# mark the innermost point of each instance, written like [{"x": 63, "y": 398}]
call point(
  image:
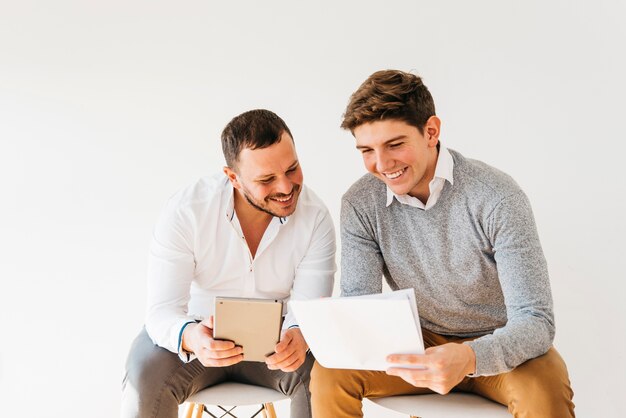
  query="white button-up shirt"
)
[
  {"x": 443, "y": 172},
  {"x": 198, "y": 251}
]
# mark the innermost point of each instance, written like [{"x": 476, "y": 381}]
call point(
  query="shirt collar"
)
[{"x": 443, "y": 170}]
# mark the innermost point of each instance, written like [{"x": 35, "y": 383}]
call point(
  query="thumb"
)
[
  {"x": 284, "y": 342},
  {"x": 208, "y": 322}
]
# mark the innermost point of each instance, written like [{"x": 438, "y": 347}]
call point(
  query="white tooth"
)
[
  {"x": 284, "y": 199},
  {"x": 394, "y": 174}
]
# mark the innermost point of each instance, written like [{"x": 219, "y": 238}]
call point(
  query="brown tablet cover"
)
[{"x": 251, "y": 323}]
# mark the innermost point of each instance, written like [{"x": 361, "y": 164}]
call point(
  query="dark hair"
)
[
  {"x": 254, "y": 129},
  {"x": 390, "y": 94}
]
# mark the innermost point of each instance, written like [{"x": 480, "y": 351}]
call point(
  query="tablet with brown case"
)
[{"x": 254, "y": 324}]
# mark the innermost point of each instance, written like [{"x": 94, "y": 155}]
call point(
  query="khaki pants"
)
[{"x": 539, "y": 387}]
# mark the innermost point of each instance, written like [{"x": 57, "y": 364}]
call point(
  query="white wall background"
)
[{"x": 107, "y": 108}]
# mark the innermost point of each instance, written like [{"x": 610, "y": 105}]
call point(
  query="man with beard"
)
[{"x": 252, "y": 231}]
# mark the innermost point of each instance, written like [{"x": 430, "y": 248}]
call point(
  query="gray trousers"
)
[{"x": 156, "y": 381}]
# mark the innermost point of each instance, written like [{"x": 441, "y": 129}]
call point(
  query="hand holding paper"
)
[
  {"x": 360, "y": 332},
  {"x": 440, "y": 368}
]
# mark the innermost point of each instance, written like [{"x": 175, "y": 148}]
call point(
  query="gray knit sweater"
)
[{"x": 474, "y": 260}]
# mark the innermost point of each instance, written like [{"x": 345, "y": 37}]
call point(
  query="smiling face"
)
[
  {"x": 270, "y": 179},
  {"x": 399, "y": 155}
]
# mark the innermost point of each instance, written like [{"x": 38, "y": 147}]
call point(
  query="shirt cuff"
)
[
  {"x": 308, "y": 350},
  {"x": 185, "y": 355},
  {"x": 289, "y": 321}
]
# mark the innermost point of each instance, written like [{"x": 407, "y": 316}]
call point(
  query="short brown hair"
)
[
  {"x": 390, "y": 94},
  {"x": 253, "y": 129}
]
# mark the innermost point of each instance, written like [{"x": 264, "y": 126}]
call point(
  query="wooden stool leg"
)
[
  {"x": 199, "y": 410},
  {"x": 269, "y": 407},
  {"x": 189, "y": 409}
]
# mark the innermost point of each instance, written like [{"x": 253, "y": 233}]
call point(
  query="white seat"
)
[
  {"x": 234, "y": 394},
  {"x": 452, "y": 405}
]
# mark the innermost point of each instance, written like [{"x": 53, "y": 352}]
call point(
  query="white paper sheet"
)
[{"x": 359, "y": 332}]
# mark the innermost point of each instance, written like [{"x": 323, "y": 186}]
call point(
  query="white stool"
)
[
  {"x": 234, "y": 394},
  {"x": 452, "y": 405}
]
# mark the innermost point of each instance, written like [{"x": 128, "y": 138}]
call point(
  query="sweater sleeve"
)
[
  {"x": 361, "y": 259},
  {"x": 523, "y": 275}
]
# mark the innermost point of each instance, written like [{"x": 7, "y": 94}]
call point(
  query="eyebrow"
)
[
  {"x": 395, "y": 138},
  {"x": 269, "y": 176}
]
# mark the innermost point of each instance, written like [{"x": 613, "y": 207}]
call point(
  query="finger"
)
[
  {"x": 211, "y": 362},
  {"x": 218, "y": 345},
  {"x": 411, "y": 375},
  {"x": 221, "y": 354},
  {"x": 293, "y": 366},
  {"x": 278, "y": 357},
  {"x": 412, "y": 359},
  {"x": 281, "y": 346},
  {"x": 440, "y": 388},
  {"x": 285, "y": 362},
  {"x": 206, "y": 328},
  {"x": 284, "y": 342},
  {"x": 208, "y": 322},
  {"x": 421, "y": 383}
]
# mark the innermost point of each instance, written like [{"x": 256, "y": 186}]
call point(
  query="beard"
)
[{"x": 264, "y": 206}]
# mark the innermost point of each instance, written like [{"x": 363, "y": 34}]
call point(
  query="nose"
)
[
  {"x": 284, "y": 185},
  {"x": 383, "y": 162}
]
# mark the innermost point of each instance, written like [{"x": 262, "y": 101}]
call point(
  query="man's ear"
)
[
  {"x": 432, "y": 130},
  {"x": 232, "y": 177}
]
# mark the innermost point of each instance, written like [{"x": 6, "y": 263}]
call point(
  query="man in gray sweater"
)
[{"x": 462, "y": 234}]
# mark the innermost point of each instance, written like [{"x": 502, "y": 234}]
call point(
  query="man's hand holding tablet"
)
[
  {"x": 198, "y": 339},
  {"x": 290, "y": 352}
]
